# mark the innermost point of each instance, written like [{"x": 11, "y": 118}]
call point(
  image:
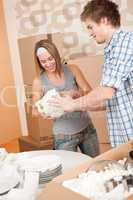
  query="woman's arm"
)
[{"x": 82, "y": 83}]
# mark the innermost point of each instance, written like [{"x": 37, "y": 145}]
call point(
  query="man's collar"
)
[{"x": 108, "y": 45}]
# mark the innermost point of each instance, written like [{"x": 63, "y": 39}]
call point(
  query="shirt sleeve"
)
[{"x": 118, "y": 63}]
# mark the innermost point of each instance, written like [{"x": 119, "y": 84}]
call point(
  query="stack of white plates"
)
[
  {"x": 47, "y": 176},
  {"x": 48, "y": 166}
]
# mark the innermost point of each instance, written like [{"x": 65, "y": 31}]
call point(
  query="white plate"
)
[
  {"x": 9, "y": 178},
  {"x": 40, "y": 163}
]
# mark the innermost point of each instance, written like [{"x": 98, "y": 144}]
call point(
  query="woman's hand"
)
[{"x": 71, "y": 93}]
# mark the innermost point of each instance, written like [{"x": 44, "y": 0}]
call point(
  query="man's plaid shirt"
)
[{"x": 118, "y": 73}]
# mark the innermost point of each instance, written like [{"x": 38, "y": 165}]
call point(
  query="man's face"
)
[{"x": 99, "y": 31}]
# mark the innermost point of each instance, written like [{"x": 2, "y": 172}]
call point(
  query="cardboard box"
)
[
  {"x": 55, "y": 191},
  {"x": 26, "y": 143},
  {"x": 38, "y": 128}
]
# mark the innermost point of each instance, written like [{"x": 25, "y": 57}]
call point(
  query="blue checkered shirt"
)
[{"x": 118, "y": 73}]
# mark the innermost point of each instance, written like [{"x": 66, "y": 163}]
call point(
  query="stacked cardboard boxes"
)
[{"x": 40, "y": 133}]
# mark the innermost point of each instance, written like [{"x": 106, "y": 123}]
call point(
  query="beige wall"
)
[
  {"x": 9, "y": 120},
  {"x": 63, "y": 16}
]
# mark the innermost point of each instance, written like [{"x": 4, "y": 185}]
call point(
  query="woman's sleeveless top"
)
[{"x": 69, "y": 123}]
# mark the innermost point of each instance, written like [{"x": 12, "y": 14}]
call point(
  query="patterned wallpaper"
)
[{"x": 36, "y": 17}]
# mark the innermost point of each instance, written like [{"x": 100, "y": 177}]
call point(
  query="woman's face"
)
[{"x": 47, "y": 61}]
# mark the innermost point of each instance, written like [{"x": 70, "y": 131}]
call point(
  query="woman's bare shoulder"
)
[{"x": 73, "y": 67}]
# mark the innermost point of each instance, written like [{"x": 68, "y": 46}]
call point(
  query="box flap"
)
[{"x": 54, "y": 191}]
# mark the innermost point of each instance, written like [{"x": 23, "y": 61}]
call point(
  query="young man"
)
[{"x": 102, "y": 19}]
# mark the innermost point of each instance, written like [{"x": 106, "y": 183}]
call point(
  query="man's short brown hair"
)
[{"x": 96, "y": 9}]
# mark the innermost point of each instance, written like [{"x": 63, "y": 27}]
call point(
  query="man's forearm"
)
[
  {"x": 101, "y": 107},
  {"x": 94, "y": 99}
]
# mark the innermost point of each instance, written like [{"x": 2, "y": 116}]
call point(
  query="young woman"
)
[{"x": 73, "y": 129}]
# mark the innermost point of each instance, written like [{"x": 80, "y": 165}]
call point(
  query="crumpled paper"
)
[
  {"x": 44, "y": 108},
  {"x": 116, "y": 194}
]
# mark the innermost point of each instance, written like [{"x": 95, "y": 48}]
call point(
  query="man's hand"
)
[{"x": 66, "y": 103}]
